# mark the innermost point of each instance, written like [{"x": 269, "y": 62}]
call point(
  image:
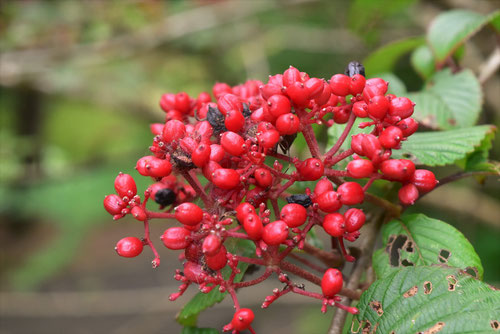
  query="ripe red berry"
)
[
  {"x": 269, "y": 138},
  {"x": 253, "y": 226},
  {"x": 209, "y": 169},
  {"x": 401, "y": 107},
  {"x": 233, "y": 143},
  {"x": 408, "y": 125},
  {"x": 226, "y": 178},
  {"x": 334, "y": 224},
  {"x": 360, "y": 109},
  {"x": 315, "y": 87},
  {"x": 351, "y": 193},
  {"x": 374, "y": 87},
  {"x": 211, "y": 245},
  {"x": 332, "y": 281},
  {"x": 298, "y": 93},
  {"x": 193, "y": 271},
  {"x": 340, "y": 84},
  {"x": 275, "y": 233},
  {"x": 189, "y": 214},
  {"x": 397, "y": 170},
  {"x": 378, "y": 107},
  {"x": 294, "y": 215},
  {"x": 323, "y": 186},
  {"x": 424, "y": 180},
  {"x": 153, "y": 166},
  {"x": 278, "y": 105},
  {"x": 114, "y": 204},
  {"x": 176, "y": 238},
  {"x": 371, "y": 146},
  {"x": 360, "y": 168},
  {"x": 234, "y": 120},
  {"x": 221, "y": 88},
  {"x": 173, "y": 130},
  {"x": 217, "y": 152},
  {"x": 408, "y": 194},
  {"x": 291, "y": 76},
  {"x": 390, "y": 137},
  {"x": 357, "y": 143},
  {"x": 201, "y": 155},
  {"x": 228, "y": 102},
  {"x": 311, "y": 169},
  {"x": 129, "y": 247},
  {"x": 325, "y": 96},
  {"x": 287, "y": 124},
  {"x": 217, "y": 261},
  {"x": 328, "y": 201},
  {"x": 242, "y": 319},
  {"x": 244, "y": 209},
  {"x": 138, "y": 213},
  {"x": 354, "y": 220},
  {"x": 125, "y": 185},
  {"x": 263, "y": 177},
  {"x": 357, "y": 84}
]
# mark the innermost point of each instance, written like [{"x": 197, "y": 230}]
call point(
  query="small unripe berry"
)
[{"x": 129, "y": 247}]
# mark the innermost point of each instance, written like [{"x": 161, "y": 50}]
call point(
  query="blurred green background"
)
[{"x": 80, "y": 82}]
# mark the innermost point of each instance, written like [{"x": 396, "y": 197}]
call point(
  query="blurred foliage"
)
[{"x": 98, "y": 79}]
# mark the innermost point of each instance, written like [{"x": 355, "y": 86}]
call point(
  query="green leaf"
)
[
  {"x": 452, "y": 28},
  {"x": 417, "y": 240},
  {"x": 396, "y": 85},
  {"x": 429, "y": 299},
  {"x": 201, "y": 301},
  {"x": 431, "y": 111},
  {"x": 422, "y": 61},
  {"x": 196, "y": 330},
  {"x": 439, "y": 148},
  {"x": 478, "y": 159},
  {"x": 384, "y": 58}
]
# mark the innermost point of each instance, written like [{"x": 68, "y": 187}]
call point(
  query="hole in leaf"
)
[
  {"x": 411, "y": 292},
  {"x": 409, "y": 246},
  {"x": 406, "y": 263},
  {"x": 377, "y": 307},
  {"x": 356, "y": 326},
  {"x": 434, "y": 329},
  {"x": 444, "y": 255},
  {"x": 495, "y": 324},
  {"x": 395, "y": 249},
  {"x": 367, "y": 327},
  {"x": 427, "y": 287},
  {"x": 452, "y": 282},
  {"x": 472, "y": 271}
]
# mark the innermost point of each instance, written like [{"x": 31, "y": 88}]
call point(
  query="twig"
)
[{"x": 490, "y": 66}]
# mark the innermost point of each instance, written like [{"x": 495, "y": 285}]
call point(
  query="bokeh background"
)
[{"x": 79, "y": 84}]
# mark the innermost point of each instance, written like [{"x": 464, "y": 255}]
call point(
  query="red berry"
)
[
  {"x": 332, "y": 281},
  {"x": 211, "y": 245},
  {"x": 233, "y": 143},
  {"x": 374, "y": 87},
  {"x": 220, "y": 89},
  {"x": 377, "y": 107},
  {"x": 291, "y": 76},
  {"x": 275, "y": 233},
  {"x": 397, "y": 170},
  {"x": 329, "y": 201},
  {"x": 334, "y": 224},
  {"x": 354, "y": 220},
  {"x": 325, "y": 96},
  {"x": 263, "y": 177},
  {"x": 294, "y": 215},
  {"x": 253, "y": 226},
  {"x": 226, "y": 178},
  {"x": 351, "y": 193},
  {"x": 228, "y": 102},
  {"x": 298, "y": 93},
  {"x": 424, "y": 180},
  {"x": 323, "y": 186},
  {"x": 129, "y": 247},
  {"x": 244, "y": 209},
  {"x": 315, "y": 87},
  {"x": 114, "y": 204},
  {"x": 371, "y": 146},
  {"x": 401, "y": 107},
  {"x": 341, "y": 116},
  {"x": 204, "y": 129},
  {"x": 269, "y": 138},
  {"x": 340, "y": 84},
  {"x": 234, "y": 120},
  {"x": 360, "y": 168},
  {"x": 156, "y": 128},
  {"x": 390, "y": 137},
  {"x": 153, "y": 166},
  {"x": 287, "y": 124},
  {"x": 176, "y": 238},
  {"x": 189, "y": 214},
  {"x": 209, "y": 169},
  {"x": 311, "y": 169},
  {"x": 360, "y": 109},
  {"x": 138, "y": 213},
  {"x": 357, "y": 143},
  {"x": 217, "y": 261},
  {"x": 279, "y": 105},
  {"x": 242, "y": 319},
  {"x": 408, "y": 194},
  {"x": 201, "y": 155},
  {"x": 173, "y": 130},
  {"x": 408, "y": 125},
  {"x": 217, "y": 152},
  {"x": 193, "y": 253},
  {"x": 357, "y": 84},
  {"x": 167, "y": 102}
]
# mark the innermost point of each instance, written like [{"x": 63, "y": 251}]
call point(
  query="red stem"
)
[
  {"x": 258, "y": 280},
  {"x": 195, "y": 183},
  {"x": 342, "y": 137}
]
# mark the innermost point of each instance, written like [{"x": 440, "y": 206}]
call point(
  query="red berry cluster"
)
[{"x": 230, "y": 141}]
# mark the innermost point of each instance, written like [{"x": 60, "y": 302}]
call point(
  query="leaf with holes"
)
[
  {"x": 439, "y": 148},
  {"x": 189, "y": 314},
  {"x": 428, "y": 299},
  {"x": 452, "y": 28},
  {"x": 417, "y": 240}
]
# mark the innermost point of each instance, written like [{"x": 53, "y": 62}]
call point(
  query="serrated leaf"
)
[
  {"x": 417, "y": 240},
  {"x": 201, "y": 301},
  {"x": 431, "y": 111},
  {"x": 478, "y": 159},
  {"x": 422, "y": 61},
  {"x": 196, "y": 330},
  {"x": 429, "y": 299},
  {"x": 452, "y": 28},
  {"x": 384, "y": 58},
  {"x": 439, "y": 148}
]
